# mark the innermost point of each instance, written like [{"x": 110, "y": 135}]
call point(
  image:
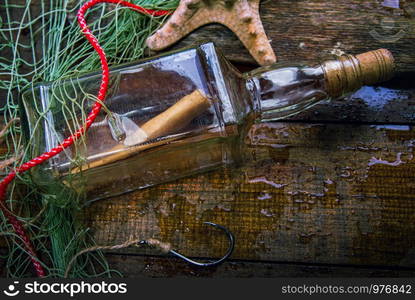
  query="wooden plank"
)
[
  {"x": 391, "y": 102},
  {"x": 325, "y": 194},
  {"x": 319, "y": 193},
  {"x": 133, "y": 266},
  {"x": 144, "y": 266},
  {"x": 311, "y": 30}
]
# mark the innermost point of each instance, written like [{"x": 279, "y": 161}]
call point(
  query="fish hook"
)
[{"x": 231, "y": 240}]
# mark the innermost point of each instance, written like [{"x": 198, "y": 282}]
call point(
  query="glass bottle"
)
[{"x": 175, "y": 115}]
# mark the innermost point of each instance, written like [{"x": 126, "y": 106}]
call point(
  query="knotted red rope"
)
[{"x": 17, "y": 225}]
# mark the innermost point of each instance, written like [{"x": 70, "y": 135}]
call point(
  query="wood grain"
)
[
  {"x": 312, "y": 30},
  {"x": 312, "y": 193},
  {"x": 134, "y": 266},
  {"x": 327, "y": 192}
]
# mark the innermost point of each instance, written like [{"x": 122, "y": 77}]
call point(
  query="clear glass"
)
[
  {"x": 282, "y": 91},
  {"x": 164, "y": 118}
]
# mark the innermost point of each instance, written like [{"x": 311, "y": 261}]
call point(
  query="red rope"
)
[{"x": 17, "y": 225}]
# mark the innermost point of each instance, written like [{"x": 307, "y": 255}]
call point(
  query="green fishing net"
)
[{"x": 40, "y": 41}]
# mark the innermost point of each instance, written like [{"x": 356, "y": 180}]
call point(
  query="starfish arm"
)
[
  {"x": 249, "y": 29},
  {"x": 241, "y": 16},
  {"x": 184, "y": 20}
]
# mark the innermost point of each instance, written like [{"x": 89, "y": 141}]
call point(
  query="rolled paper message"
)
[{"x": 170, "y": 121}]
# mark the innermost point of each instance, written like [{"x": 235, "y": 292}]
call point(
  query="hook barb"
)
[{"x": 231, "y": 240}]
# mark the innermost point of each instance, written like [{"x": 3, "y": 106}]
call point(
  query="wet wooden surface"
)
[
  {"x": 312, "y": 30},
  {"x": 320, "y": 189},
  {"x": 326, "y": 193},
  {"x": 150, "y": 266}
]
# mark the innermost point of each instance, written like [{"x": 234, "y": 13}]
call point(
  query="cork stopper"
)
[{"x": 349, "y": 72}]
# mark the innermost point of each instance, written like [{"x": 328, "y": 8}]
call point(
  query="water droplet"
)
[
  {"x": 264, "y": 180},
  {"x": 329, "y": 181},
  {"x": 264, "y": 196},
  {"x": 376, "y": 161},
  {"x": 266, "y": 213}
]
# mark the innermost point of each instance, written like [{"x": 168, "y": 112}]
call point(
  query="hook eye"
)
[{"x": 231, "y": 240}]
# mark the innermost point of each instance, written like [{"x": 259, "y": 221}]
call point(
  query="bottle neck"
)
[{"x": 281, "y": 91}]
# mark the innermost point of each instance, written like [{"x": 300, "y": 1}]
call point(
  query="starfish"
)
[{"x": 240, "y": 16}]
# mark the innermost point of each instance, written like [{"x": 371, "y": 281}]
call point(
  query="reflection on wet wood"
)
[
  {"x": 307, "y": 30},
  {"x": 390, "y": 102},
  {"x": 312, "y": 193}
]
